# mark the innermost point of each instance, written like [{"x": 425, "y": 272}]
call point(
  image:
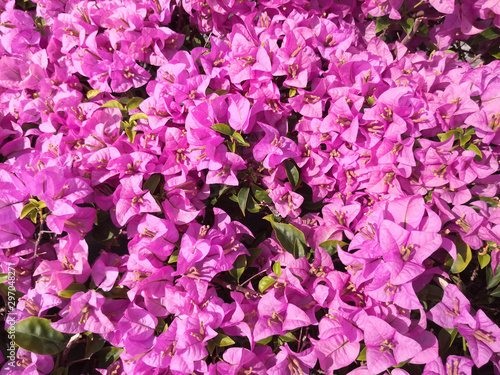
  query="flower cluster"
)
[{"x": 269, "y": 187}]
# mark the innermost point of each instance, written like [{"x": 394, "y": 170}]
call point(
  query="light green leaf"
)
[
  {"x": 222, "y": 128},
  {"x": 240, "y": 140},
  {"x": 265, "y": 283},
  {"x": 464, "y": 256},
  {"x": 382, "y": 24},
  {"x": 223, "y": 340},
  {"x": 35, "y": 335},
  {"x": 288, "y": 337},
  {"x": 484, "y": 260},
  {"x": 277, "y": 269}
]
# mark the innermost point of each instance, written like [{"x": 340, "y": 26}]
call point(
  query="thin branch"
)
[
  {"x": 413, "y": 31},
  {"x": 238, "y": 288},
  {"x": 257, "y": 274}
]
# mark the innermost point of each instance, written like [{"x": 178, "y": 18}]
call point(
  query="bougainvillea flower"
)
[
  {"x": 483, "y": 338},
  {"x": 84, "y": 313}
]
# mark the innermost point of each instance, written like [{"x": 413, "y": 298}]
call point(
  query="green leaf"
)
[
  {"x": 362, "y": 355},
  {"x": 464, "y": 256},
  {"x": 260, "y": 194},
  {"x": 292, "y": 92},
  {"x": 277, "y": 269},
  {"x": 152, "y": 183},
  {"x": 484, "y": 260},
  {"x": 473, "y": 147},
  {"x": 174, "y": 257},
  {"x": 254, "y": 254},
  {"x": 60, "y": 371},
  {"x": 292, "y": 173},
  {"x": 265, "y": 341},
  {"x": 288, "y": 337},
  {"x": 93, "y": 93},
  {"x": 134, "y": 103},
  {"x": 445, "y": 339},
  {"x": 3, "y": 277},
  {"x": 489, "y": 34},
  {"x": 35, "y": 335},
  {"x": 117, "y": 292},
  {"x": 239, "y": 267},
  {"x": 137, "y": 116},
  {"x": 72, "y": 289},
  {"x": 370, "y": 100},
  {"x": 27, "y": 209},
  {"x": 222, "y": 128},
  {"x": 223, "y": 340},
  {"x": 265, "y": 283},
  {"x": 492, "y": 281},
  {"x": 240, "y": 140},
  {"x": 382, "y": 24},
  {"x": 330, "y": 246},
  {"x": 113, "y": 104},
  {"x": 106, "y": 356},
  {"x": 496, "y": 293},
  {"x": 464, "y": 139},
  {"x": 131, "y": 134},
  {"x": 289, "y": 237},
  {"x": 242, "y": 198},
  {"x": 253, "y": 206},
  {"x": 407, "y": 24},
  {"x": 445, "y": 136},
  {"x": 93, "y": 344}
]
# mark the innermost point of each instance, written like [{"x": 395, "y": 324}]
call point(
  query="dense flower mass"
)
[{"x": 250, "y": 187}]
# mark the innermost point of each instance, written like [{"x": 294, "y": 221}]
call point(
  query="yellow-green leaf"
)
[
  {"x": 484, "y": 260},
  {"x": 93, "y": 93},
  {"x": 138, "y": 116},
  {"x": 113, "y": 104},
  {"x": 265, "y": 283},
  {"x": 277, "y": 269},
  {"x": 134, "y": 103},
  {"x": 464, "y": 256},
  {"x": 27, "y": 209}
]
